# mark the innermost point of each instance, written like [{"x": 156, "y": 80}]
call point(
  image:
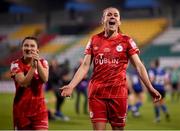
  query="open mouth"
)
[
  {"x": 112, "y": 23},
  {"x": 28, "y": 52}
]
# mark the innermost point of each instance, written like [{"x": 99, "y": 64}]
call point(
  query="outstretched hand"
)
[
  {"x": 66, "y": 91},
  {"x": 156, "y": 95}
]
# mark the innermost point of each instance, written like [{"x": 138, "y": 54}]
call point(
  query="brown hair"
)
[
  {"x": 31, "y": 38},
  {"x": 110, "y": 8}
]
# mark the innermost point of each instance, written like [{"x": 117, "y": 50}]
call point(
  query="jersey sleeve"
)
[
  {"x": 15, "y": 69},
  {"x": 132, "y": 47},
  {"x": 44, "y": 63},
  {"x": 88, "y": 49}
]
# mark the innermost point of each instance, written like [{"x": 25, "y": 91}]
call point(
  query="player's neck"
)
[
  {"x": 27, "y": 60},
  {"x": 110, "y": 34}
]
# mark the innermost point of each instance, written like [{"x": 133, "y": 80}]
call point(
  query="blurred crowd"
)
[{"x": 60, "y": 75}]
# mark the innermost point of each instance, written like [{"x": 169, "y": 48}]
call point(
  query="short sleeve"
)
[
  {"x": 15, "y": 68},
  {"x": 88, "y": 49},
  {"x": 44, "y": 63},
  {"x": 132, "y": 47}
]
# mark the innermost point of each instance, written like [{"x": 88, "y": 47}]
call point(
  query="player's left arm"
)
[
  {"x": 42, "y": 67},
  {"x": 135, "y": 60},
  {"x": 43, "y": 71},
  {"x": 143, "y": 86}
]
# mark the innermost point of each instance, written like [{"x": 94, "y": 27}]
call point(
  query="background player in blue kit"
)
[
  {"x": 138, "y": 91},
  {"x": 159, "y": 79}
]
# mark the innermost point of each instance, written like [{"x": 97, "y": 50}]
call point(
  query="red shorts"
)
[
  {"x": 108, "y": 110},
  {"x": 36, "y": 122}
]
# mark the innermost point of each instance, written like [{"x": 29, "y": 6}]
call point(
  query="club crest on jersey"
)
[
  {"x": 95, "y": 48},
  {"x": 119, "y": 48}
]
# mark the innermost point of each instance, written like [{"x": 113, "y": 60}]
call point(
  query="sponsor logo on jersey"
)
[
  {"x": 119, "y": 48},
  {"x": 101, "y": 59},
  {"x": 106, "y": 50},
  {"x": 96, "y": 48}
]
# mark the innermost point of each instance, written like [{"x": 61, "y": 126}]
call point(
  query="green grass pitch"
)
[{"x": 82, "y": 122}]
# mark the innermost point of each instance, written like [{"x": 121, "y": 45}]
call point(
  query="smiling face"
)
[
  {"x": 28, "y": 46},
  {"x": 111, "y": 19}
]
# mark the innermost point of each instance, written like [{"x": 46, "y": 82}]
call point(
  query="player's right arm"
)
[
  {"x": 22, "y": 79},
  {"x": 135, "y": 60},
  {"x": 25, "y": 80},
  {"x": 79, "y": 75}
]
